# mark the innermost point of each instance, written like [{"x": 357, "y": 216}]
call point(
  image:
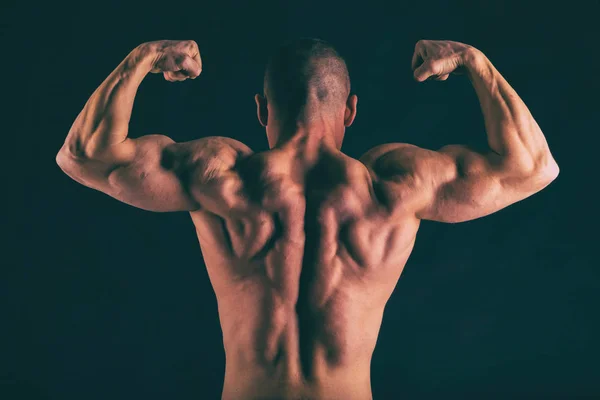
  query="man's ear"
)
[
  {"x": 262, "y": 112},
  {"x": 350, "y": 112}
]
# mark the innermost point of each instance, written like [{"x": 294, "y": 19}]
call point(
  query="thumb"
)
[
  {"x": 190, "y": 67},
  {"x": 424, "y": 71}
]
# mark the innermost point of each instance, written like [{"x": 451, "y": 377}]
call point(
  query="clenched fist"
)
[
  {"x": 436, "y": 59},
  {"x": 178, "y": 60}
]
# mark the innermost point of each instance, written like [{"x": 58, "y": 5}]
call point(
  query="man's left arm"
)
[{"x": 144, "y": 172}]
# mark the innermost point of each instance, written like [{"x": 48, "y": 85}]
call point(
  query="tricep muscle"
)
[
  {"x": 454, "y": 184},
  {"x": 153, "y": 180},
  {"x": 156, "y": 174},
  {"x": 143, "y": 172}
]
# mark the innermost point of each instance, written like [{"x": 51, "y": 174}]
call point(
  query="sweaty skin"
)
[{"x": 303, "y": 244}]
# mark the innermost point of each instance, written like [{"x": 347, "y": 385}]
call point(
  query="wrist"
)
[
  {"x": 474, "y": 61},
  {"x": 142, "y": 57}
]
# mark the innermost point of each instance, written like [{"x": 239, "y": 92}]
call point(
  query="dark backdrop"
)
[{"x": 104, "y": 301}]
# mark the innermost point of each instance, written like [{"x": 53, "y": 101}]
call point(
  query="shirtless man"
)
[{"x": 303, "y": 244}]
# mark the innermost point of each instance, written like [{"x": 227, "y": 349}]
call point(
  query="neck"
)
[{"x": 309, "y": 137}]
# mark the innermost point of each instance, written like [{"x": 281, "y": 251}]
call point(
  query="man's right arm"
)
[{"x": 456, "y": 183}]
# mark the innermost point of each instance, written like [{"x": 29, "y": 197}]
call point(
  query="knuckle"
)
[{"x": 435, "y": 66}]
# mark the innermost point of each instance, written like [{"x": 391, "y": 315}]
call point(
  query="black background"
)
[{"x": 104, "y": 301}]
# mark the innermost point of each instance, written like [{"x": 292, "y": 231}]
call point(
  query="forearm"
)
[
  {"x": 104, "y": 121},
  {"x": 511, "y": 129}
]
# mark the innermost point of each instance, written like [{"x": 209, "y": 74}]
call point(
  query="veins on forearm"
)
[{"x": 105, "y": 118}]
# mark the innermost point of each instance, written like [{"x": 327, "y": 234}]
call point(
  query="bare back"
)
[
  {"x": 302, "y": 263},
  {"x": 303, "y": 252}
]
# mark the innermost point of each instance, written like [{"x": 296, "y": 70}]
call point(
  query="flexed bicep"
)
[
  {"x": 465, "y": 184},
  {"x": 97, "y": 151},
  {"x": 456, "y": 183}
]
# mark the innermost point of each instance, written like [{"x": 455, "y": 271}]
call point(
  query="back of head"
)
[{"x": 306, "y": 74}]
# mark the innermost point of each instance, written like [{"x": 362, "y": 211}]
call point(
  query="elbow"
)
[
  {"x": 550, "y": 170},
  {"x": 64, "y": 159},
  {"x": 60, "y": 158},
  {"x": 72, "y": 153},
  {"x": 534, "y": 173},
  {"x": 69, "y": 163},
  {"x": 544, "y": 171},
  {"x": 545, "y": 168}
]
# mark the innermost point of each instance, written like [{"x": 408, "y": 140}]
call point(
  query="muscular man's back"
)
[
  {"x": 303, "y": 244},
  {"x": 303, "y": 260}
]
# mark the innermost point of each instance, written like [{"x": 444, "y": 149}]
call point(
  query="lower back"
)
[
  {"x": 273, "y": 355},
  {"x": 348, "y": 382}
]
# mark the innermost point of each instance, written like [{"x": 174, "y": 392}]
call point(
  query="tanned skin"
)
[{"x": 303, "y": 244}]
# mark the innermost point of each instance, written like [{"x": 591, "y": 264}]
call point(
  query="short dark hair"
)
[{"x": 306, "y": 66}]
